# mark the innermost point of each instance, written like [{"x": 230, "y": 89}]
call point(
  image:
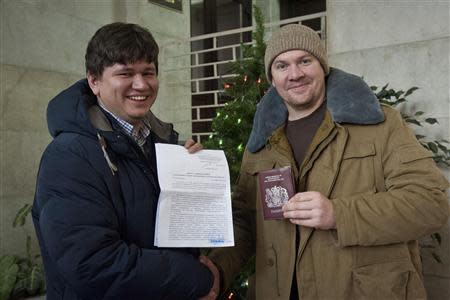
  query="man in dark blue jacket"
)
[{"x": 97, "y": 187}]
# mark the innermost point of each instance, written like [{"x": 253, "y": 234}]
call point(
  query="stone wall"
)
[{"x": 43, "y": 43}]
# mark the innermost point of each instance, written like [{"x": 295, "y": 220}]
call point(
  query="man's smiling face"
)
[
  {"x": 128, "y": 91},
  {"x": 300, "y": 81}
]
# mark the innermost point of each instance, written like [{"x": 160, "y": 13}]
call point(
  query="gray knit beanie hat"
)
[{"x": 295, "y": 37}]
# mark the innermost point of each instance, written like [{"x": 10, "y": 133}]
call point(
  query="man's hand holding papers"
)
[{"x": 194, "y": 207}]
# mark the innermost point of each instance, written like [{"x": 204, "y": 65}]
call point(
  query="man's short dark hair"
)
[{"x": 122, "y": 43}]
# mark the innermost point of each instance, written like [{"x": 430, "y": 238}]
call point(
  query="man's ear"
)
[{"x": 93, "y": 83}]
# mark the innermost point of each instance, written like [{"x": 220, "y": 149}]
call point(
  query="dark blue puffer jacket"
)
[{"x": 95, "y": 226}]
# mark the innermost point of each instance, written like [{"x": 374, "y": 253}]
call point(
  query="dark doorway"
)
[{"x": 295, "y": 8}]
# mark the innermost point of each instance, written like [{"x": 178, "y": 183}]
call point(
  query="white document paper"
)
[{"x": 194, "y": 206}]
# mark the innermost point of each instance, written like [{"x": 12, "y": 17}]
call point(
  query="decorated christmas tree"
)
[{"x": 233, "y": 122}]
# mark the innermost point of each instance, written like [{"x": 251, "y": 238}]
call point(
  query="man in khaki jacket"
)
[{"x": 366, "y": 190}]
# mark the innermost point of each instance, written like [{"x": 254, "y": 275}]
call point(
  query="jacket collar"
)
[
  {"x": 163, "y": 130},
  {"x": 349, "y": 100}
]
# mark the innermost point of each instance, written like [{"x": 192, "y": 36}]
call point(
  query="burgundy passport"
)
[{"x": 276, "y": 186}]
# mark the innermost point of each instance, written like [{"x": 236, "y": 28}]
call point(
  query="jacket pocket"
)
[
  {"x": 357, "y": 166},
  {"x": 387, "y": 280},
  {"x": 412, "y": 153},
  {"x": 246, "y": 193},
  {"x": 416, "y": 163},
  {"x": 254, "y": 167},
  {"x": 359, "y": 150}
]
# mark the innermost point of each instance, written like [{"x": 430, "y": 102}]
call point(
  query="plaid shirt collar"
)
[{"x": 139, "y": 135}]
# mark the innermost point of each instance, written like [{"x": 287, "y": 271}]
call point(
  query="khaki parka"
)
[{"x": 386, "y": 193}]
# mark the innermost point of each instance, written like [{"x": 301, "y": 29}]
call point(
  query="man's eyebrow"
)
[
  {"x": 124, "y": 68},
  {"x": 278, "y": 61},
  {"x": 149, "y": 68},
  {"x": 298, "y": 58},
  {"x": 128, "y": 69}
]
